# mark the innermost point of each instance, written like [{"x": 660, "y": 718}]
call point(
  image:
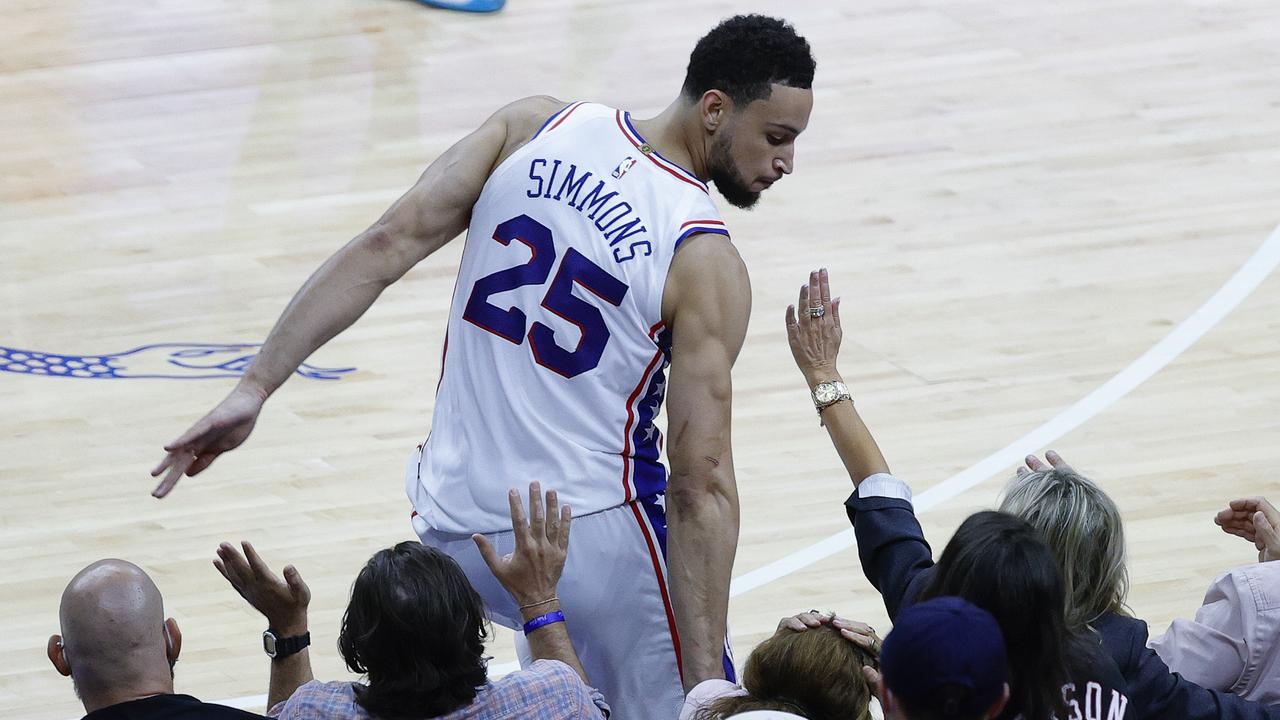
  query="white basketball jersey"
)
[{"x": 555, "y": 354}]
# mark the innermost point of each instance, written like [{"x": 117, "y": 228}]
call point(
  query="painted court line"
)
[{"x": 1257, "y": 268}]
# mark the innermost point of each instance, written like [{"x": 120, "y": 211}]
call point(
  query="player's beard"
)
[{"x": 726, "y": 176}]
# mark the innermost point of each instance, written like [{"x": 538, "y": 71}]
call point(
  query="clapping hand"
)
[
  {"x": 283, "y": 602},
  {"x": 532, "y": 571},
  {"x": 1255, "y": 519}
]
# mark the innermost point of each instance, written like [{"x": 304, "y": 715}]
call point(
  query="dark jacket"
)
[{"x": 898, "y": 562}]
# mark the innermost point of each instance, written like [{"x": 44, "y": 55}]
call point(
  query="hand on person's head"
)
[
  {"x": 858, "y": 633},
  {"x": 531, "y": 572},
  {"x": 1255, "y": 519},
  {"x": 1035, "y": 464},
  {"x": 283, "y": 602},
  {"x": 813, "y": 328}
]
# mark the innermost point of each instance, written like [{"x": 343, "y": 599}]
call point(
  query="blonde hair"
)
[{"x": 1082, "y": 527}]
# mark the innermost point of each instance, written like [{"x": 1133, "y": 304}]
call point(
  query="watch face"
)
[
  {"x": 826, "y": 392},
  {"x": 269, "y": 644}
]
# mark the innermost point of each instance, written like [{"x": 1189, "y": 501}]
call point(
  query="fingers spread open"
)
[
  {"x": 234, "y": 568},
  {"x": 519, "y": 526},
  {"x": 537, "y": 517},
  {"x": 165, "y": 462},
  {"x": 296, "y": 584},
  {"x": 553, "y": 517},
  {"x": 487, "y": 552},
  {"x": 566, "y": 519},
  {"x": 256, "y": 564},
  {"x": 176, "y": 469}
]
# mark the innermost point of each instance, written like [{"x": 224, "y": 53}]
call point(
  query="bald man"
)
[{"x": 119, "y": 650}]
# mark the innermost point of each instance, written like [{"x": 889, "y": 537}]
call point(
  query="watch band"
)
[
  {"x": 828, "y": 393},
  {"x": 278, "y": 648}
]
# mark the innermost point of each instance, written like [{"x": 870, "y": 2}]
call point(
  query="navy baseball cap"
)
[{"x": 945, "y": 657}]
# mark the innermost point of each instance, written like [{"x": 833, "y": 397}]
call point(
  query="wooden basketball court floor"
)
[{"x": 1016, "y": 202}]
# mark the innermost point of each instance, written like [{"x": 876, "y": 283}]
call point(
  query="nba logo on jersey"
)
[{"x": 623, "y": 167}]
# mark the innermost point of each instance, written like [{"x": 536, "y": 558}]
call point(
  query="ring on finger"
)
[{"x": 817, "y": 311}]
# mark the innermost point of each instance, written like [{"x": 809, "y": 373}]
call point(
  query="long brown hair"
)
[{"x": 815, "y": 673}]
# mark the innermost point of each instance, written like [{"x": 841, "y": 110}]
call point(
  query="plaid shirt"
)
[{"x": 547, "y": 690}]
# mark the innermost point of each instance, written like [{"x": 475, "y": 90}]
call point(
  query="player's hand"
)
[
  {"x": 815, "y": 341},
  {"x": 1035, "y": 464},
  {"x": 532, "y": 571},
  {"x": 1255, "y": 519},
  {"x": 223, "y": 429},
  {"x": 282, "y": 602}
]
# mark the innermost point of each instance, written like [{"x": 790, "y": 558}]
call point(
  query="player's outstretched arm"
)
[
  {"x": 707, "y": 303},
  {"x": 815, "y": 343},
  {"x": 434, "y": 211}
]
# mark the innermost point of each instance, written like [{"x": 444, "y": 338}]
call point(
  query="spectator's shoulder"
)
[
  {"x": 554, "y": 669},
  {"x": 1125, "y": 639},
  {"x": 318, "y": 699}
]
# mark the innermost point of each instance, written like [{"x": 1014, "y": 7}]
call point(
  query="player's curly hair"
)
[
  {"x": 744, "y": 55},
  {"x": 416, "y": 627}
]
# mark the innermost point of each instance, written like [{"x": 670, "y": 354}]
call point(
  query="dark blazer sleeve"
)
[
  {"x": 1155, "y": 692},
  {"x": 891, "y": 545}
]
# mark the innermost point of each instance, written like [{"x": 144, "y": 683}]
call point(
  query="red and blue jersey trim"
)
[
  {"x": 643, "y": 475},
  {"x": 692, "y": 227},
  {"x": 679, "y": 173},
  {"x": 558, "y": 117}
]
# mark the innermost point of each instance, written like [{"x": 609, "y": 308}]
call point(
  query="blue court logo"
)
[{"x": 171, "y": 361}]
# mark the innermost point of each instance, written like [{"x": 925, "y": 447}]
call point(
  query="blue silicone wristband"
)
[{"x": 543, "y": 620}]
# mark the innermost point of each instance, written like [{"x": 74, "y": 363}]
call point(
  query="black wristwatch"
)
[{"x": 278, "y": 648}]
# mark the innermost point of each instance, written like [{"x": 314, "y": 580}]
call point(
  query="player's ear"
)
[{"x": 713, "y": 109}]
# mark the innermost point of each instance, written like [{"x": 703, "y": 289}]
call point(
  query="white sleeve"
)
[
  {"x": 707, "y": 692},
  {"x": 884, "y": 485},
  {"x": 1209, "y": 651}
]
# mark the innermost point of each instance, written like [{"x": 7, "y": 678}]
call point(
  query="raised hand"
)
[
  {"x": 223, "y": 429},
  {"x": 1255, "y": 519},
  {"x": 282, "y": 602},
  {"x": 814, "y": 332},
  {"x": 532, "y": 571}
]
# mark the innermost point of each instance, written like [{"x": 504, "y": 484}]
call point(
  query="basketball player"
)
[{"x": 596, "y": 272}]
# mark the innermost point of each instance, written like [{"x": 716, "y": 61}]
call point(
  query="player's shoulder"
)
[
  {"x": 526, "y": 116},
  {"x": 708, "y": 262},
  {"x": 532, "y": 110}
]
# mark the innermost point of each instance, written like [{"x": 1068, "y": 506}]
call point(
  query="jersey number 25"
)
[{"x": 575, "y": 269}]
